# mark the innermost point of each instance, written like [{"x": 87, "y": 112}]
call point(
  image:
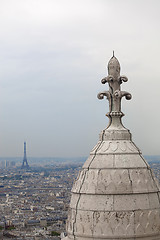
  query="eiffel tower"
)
[{"x": 25, "y": 163}]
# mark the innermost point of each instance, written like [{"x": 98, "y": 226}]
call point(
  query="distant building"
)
[
  {"x": 6, "y": 163},
  {"x": 12, "y": 164},
  {"x": 25, "y": 164}
]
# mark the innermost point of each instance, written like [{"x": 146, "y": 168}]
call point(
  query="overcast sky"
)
[{"x": 53, "y": 55}]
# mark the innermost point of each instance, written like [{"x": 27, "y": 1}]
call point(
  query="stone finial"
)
[{"x": 114, "y": 95}]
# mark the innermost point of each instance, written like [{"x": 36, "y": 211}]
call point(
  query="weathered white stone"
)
[
  {"x": 91, "y": 203},
  {"x": 106, "y": 181},
  {"x": 101, "y": 161},
  {"x": 142, "y": 181},
  {"x": 116, "y": 147},
  {"x": 131, "y": 202},
  {"x": 129, "y": 161},
  {"x": 116, "y": 195}
]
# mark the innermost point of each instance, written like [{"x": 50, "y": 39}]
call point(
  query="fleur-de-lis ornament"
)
[{"x": 114, "y": 95}]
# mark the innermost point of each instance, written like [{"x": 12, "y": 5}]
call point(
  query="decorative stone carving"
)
[
  {"x": 115, "y": 195},
  {"x": 114, "y": 95}
]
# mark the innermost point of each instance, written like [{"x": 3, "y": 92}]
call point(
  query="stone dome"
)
[{"x": 116, "y": 195}]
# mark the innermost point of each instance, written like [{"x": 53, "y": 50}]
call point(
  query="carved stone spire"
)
[{"x": 114, "y": 95}]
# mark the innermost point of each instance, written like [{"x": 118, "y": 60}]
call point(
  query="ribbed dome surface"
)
[{"x": 115, "y": 195}]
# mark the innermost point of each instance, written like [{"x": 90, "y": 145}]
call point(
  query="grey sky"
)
[{"x": 53, "y": 54}]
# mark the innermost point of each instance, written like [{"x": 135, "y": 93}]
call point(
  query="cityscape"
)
[{"x": 34, "y": 202}]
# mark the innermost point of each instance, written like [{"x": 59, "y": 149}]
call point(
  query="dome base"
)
[{"x": 157, "y": 237}]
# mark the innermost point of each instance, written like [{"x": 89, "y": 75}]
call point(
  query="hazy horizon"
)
[{"x": 31, "y": 159}]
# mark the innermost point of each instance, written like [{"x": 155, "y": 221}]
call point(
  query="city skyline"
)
[{"x": 53, "y": 57}]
